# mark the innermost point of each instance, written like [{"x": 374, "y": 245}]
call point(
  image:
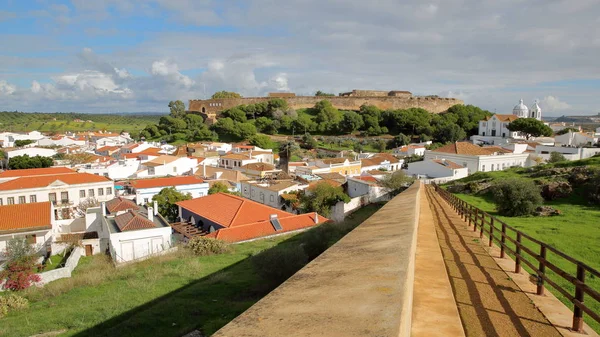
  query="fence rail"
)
[{"x": 498, "y": 231}]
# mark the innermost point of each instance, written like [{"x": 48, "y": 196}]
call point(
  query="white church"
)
[{"x": 494, "y": 130}]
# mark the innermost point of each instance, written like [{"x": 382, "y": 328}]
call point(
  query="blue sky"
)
[{"x": 136, "y": 55}]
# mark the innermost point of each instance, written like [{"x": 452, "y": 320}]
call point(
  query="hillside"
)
[
  {"x": 60, "y": 122},
  {"x": 576, "y": 231}
]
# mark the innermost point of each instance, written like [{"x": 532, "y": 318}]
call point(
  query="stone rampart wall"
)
[{"x": 431, "y": 104}]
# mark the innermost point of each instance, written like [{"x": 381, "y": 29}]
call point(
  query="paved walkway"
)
[{"x": 489, "y": 302}]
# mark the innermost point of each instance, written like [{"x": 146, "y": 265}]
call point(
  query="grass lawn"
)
[
  {"x": 165, "y": 296},
  {"x": 54, "y": 262},
  {"x": 575, "y": 232}
]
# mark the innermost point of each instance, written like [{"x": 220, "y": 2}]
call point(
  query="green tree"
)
[
  {"x": 304, "y": 124},
  {"x": 309, "y": 142},
  {"x": 26, "y": 162},
  {"x": 449, "y": 133},
  {"x": 167, "y": 199},
  {"x": 381, "y": 145},
  {"x": 218, "y": 187},
  {"x": 530, "y": 127},
  {"x": 245, "y": 130},
  {"x": 556, "y": 157},
  {"x": 194, "y": 121},
  {"x": 177, "y": 109},
  {"x": 225, "y": 94},
  {"x": 262, "y": 141},
  {"x": 322, "y": 197},
  {"x": 400, "y": 140},
  {"x": 266, "y": 125},
  {"x": 396, "y": 182},
  {"x": 466, "y": 116},
  {"x": 560, "y": 132},
  {"x": 320, "y": 93},
  {"x": 516, "y": 197},
  {"x": 21, "y": 143},
  {"x": 276, "y": 104},
  {"x": 351, "y": 121},
  {"x": 328, "y": 117}
]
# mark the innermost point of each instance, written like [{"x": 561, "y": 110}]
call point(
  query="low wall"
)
[
  {"x": 63, "y": 272},
  {"x": 361, "y": 286}
]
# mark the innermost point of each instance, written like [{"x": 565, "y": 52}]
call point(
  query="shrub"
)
[
  {"x": 593, "y": 189},
  {"x": 277, "y": 264},
  {"x": 516, "y": 197},
  {"x": 207, "y": 246},
  {"x": 19, "y": 275},
  {"x": 556, "y": 157},
  {"x": 14, "y": 302}
]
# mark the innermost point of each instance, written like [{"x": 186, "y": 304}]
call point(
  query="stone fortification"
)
[{"x": 346, "y": 101}]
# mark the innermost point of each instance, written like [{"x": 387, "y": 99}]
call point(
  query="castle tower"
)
[
  {"x": 535, "y": 111},
  {"x": 521, "y": 110}
]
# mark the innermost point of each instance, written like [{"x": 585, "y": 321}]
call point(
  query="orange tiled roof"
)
[
  {"x": 237, "y": 156},
  {"x": 44, "y": 181},
  {"x": 132, "y": 220},
  {"x": 381, "y": 157},
  {"x": 367, "y": 179},
  {"x": 161, "y": 160},
  {"x": 265, "y": 228},
  {"x": 333, "y": 160},
  {"x": 368, "y": 162},
  {"x": 330, "y": 182},
  {"x": 164, "y": 182},
  {"x": 36, "y": 172},
  {"x": 466, "y": 148},
  {"x": 229, "y": 210},
  {"x": 107, "y": 148},
  {"x": 120, "y": 204},
  {"x": 151, "y": 151},
  {"x": 259, "y": 167},
  {"x": 25, "y": 216}
]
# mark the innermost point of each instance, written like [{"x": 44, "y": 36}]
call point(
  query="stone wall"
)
[
  {"x": 431, "y": 104},
  {"x": 63, "y": 272}
]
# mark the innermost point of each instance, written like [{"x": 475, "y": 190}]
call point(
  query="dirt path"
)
[{"x": 489, "y": 302}]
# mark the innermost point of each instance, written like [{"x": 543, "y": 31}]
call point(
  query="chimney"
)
[
  {"x": 155, "y": 204},
  {"x": 316, "y": 218},
  {"x": 151, "y": 214},
  {"x": 103, "y": 206},
  {"x": 204, "y": 170}
]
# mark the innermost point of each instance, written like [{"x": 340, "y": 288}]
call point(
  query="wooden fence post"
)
[
  {"x": 518, "y": 254},
  {"x": 577, "y": 312},
  {"x": 503, "y": 241},
  {"x": 476, "y": 219},
  {"x": 491, "y": 242},
  {"x": 542, "y": 271}
]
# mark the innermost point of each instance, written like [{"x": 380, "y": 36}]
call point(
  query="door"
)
[
  {"x": 89, "y": 250},
  {"x": 127, "y": 251}
]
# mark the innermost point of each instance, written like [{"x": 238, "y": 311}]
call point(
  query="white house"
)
[
  {"x": 576, "y": 139},
  {"x": 7, "y": 139},
  {"x": 381, "y": 161},
  {"x": 117, "y": 140},
  {"x": 268, "y": 193},
  {"x": 330, "y": 165},
  {"x": 31, "y": 152},
  {"x": 66, "y": 190},
  {"x": 34, "y": 222},
  {"x": 236, "y": 160},
  {"x": 569, "y": 152},
  {"x": 366, "y": 187},
  {"x": 562, "y": 125},
  {"x": 121, "y": 169},
  {"x": 440, "y": 170},
  {"x": 476, "y": 158},
  {"x": 132, "y": 233},
  {"x": 494, "y": 130},
  {"x": 166, "y": 165},
  {"x": 409, "y": 150},
  {"x": 61, "y": 141},
  {"x": 145, "y": 189},
  {"x": 221, "y": 148}
]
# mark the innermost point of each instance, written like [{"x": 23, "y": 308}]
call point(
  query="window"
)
[
  {"x": 64, "y": 197},
  {"x": 106, "y": 174},
  {"x": 22, "y": 199},
  {"x": 10, "y": 201},
  {"x": 145, "y": 200},
  {"x": 175, "y": 169},
  {"x": 483, "y": 168},
  {"x": 108, "y": 190},
  {"x": 272, "y": 198},
  {"x": 91, "y": 193},
  {"x": 100, "y": 191},
  {"x": 0, "y": 201},
  {"x": 32, "y": 198},
  {"x": 52, "y": 197},
  {"x": 151, "y": 171},
  {"x": 82, "y": 193}
]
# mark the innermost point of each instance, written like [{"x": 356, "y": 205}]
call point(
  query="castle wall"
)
[{"x": 431, "y": 104}]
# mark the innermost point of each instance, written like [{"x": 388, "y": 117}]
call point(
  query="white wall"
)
[
  {"x": 133, "y": 245},
  {"x": 32, "y": 152},
  {"x": 196, "y": 190},
  {"x": 65, "y": 271},
  {"x": 482, "y": 163}
]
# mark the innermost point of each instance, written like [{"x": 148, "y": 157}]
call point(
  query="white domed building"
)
[
  {"x": 535, "y": 111},
  {"x": 521, "y": 110}
]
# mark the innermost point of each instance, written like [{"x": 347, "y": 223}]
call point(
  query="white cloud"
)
[
  {"x": 170, "y": 72},
  {"x": 7, "y": 88},
  {"x": 552, "y": 104}
]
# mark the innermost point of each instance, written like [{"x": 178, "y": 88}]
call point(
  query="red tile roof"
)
[
  {"x": 502, "y": 118},
  {"x": 163, "y": 182},
  {"x": 20, "y": 217},
  {"x": 259, "y": 167},
  {"x": 36, "y": 172},
  {"x": 120, "y": 204},
  {"x": 265, "y": 228},
  {"x": 151, "y": 151},
  {"x": 466, "y": 148},
  {"x": 132, "y": 220},
  {"x": 448, "y": 164},
  {"x": 230, "y": 211},
  {"x": 44, "y": 181},
  {"x": 107, "y": 148}
]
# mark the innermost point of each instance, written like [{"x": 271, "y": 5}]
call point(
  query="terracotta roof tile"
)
[
  {"x": 333, "y": 160},
  {"x": 448, "y": 164},
  {"x": 161, "y": 160},
  {"x": 43, "y": 181},
  {"x": 236, "y": 156},
  {"x": 259, "y": 167},
  {"x": 120, "y": 204},
  {"x": 165, "y": 182},
  {"x": 25, "y": 216},
  {"x": 107, "y": 148},
  {"x": 502, "y": 118},
  {"x": 466, "y": 148},
  {"x": 36, "y": 172},
  {"x": 132, "y": 220}
]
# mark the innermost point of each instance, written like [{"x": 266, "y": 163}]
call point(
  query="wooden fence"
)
[{"x": 499, "y": 232}]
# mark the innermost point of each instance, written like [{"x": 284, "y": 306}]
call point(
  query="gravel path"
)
[{"x": 489, "y": 302}]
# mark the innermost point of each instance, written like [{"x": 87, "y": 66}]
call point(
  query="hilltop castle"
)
[{"x": 384, "y": 100}]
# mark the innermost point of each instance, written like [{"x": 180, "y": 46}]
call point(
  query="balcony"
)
[{"x": 62, "y": 203}]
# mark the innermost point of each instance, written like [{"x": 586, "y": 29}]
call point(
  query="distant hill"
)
[
  {"x": 72, "y": 121},
  {"x": 580, "y": 119}
]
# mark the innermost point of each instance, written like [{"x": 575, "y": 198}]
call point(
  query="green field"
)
[
  {"x": 169, "y": 295},
  {"x": 61, "y": 122},
  {"x": 575, "y": 232}
]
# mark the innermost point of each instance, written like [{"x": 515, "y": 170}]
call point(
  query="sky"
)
[{"x": 137, "y": 55}]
